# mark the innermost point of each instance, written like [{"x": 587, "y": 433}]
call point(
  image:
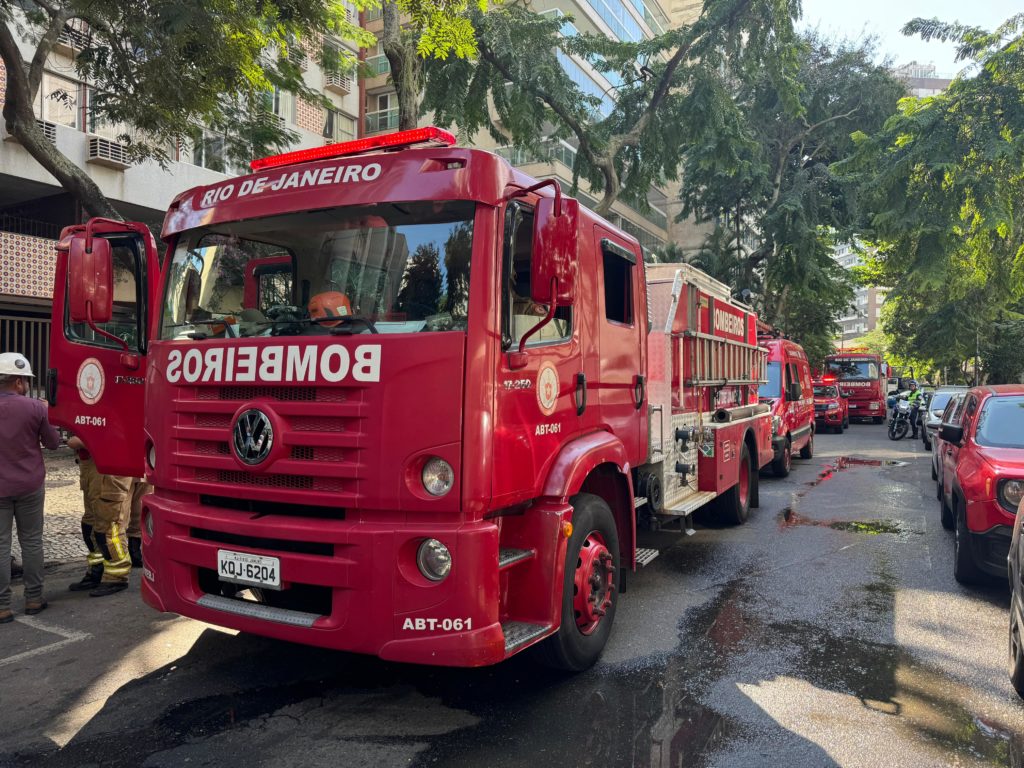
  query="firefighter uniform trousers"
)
[
  {"x": 131, "y": 523},
  {"x": 108, "y": 504}
]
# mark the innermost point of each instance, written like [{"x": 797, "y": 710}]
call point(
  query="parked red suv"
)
[
  {"x": 831, "y": 409},
  {"x": 790, "y": 393},
  {"x": 982, "y": 445}
]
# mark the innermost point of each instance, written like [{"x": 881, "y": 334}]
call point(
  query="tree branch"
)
[{"x": 58, "y": 18}]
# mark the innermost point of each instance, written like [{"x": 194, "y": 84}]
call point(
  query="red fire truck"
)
[
  {"x": 861, "y": 376},
  {"x": 398, "y": 398}
]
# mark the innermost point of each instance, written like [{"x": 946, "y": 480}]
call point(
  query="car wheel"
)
[
  {"x": 807, "y": 452},
  {"x": 838, "y": 430},
  {"x": 945, "y": 513},
  {"x": 935, "y": 475},
  {"x": 965, "y": 569},
  {"x": 734, "y": 504},
  {"x": 1016, "y": 653},
  {"x": 784, "y": 463},
  {"x": 927, "y": 444},
  {"x": 589, "y": 589}
]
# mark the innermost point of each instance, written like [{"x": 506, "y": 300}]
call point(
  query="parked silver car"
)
[
  {"x": 932, "y": 417},
  {"x": 951, "y": 406}
]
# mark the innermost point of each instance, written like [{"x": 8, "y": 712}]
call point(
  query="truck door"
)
[
  {"x": 96, "y": 383},
  {"x": 540, "y": 397},
  {"x": 621, "y": 386}
]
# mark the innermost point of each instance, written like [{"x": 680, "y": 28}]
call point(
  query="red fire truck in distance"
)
[
  {"x": 398, "y": 398},
  {"x": 861, "y": 375}
]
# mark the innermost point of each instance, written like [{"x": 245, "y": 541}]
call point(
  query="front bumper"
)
[
  {"x": 863, "y": 410},
  {"x": 991, "y": 549},
  {"x": 356, "y": 582},
  {"x": 829, "y": 418}
]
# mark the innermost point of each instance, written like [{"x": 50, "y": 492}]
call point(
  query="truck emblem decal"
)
[
  {"x": 90, "y": 381},
  {"x": 547, "y": 388},
  {"x": 254, "y": 436}
]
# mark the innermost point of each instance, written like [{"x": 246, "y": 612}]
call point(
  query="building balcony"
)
[{"x": 382, "y": 120}]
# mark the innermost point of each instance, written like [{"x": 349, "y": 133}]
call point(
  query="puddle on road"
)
[
  {"x": 789, "y": 518},
  {"x": 842, "y": 463}
]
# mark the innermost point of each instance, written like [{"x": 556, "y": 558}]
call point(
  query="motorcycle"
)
[{"x": 899, "y": 422}]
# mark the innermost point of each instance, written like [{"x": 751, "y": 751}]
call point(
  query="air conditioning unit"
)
[
  {"x": 49, "y": 131},
  {"x": 108, "y": 153},
  {"x": 338, "y": 83}
]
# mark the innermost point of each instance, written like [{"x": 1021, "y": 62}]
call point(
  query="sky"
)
[{"x": 885, "y": 18}]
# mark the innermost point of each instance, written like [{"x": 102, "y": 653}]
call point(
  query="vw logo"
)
[{"x": 254, "y": 436}]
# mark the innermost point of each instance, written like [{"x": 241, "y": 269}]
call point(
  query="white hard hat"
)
[{"x": 14, "y": 364}]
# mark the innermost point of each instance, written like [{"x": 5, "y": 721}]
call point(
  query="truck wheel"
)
[
  {"x": 589, "y": 587},
  {"x": 877, "y": 419},
  {"x": 846, "y": 422},
  {"x": 784, "y": 463},
  {"x": 807, "y": 452},
  {"x": 965, "y": 570},
  {"x": 1016, "y": 654},
  {"x": 734, "y": 504},
  {"x": 934, "y": 475}
]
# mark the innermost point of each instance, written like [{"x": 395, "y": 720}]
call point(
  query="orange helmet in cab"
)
[{"x": 329, "y": 304}]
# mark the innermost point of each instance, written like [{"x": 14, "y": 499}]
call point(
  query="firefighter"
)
[
  {"x": 107, "y": 500},
  {"x": 914, "y": 398},
  {"x": 131, "y": 525},
  {"x": 329, "y": 304}
]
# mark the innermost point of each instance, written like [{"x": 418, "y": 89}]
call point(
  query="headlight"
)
[
  {"x": 1010, "y": 494},
  {"x": 833, "y": 407},
  {"x": 874, "y": 407},
  {"x": 151, "y": 457},
  {"x": 433, "y": 559},
  {"x": 776, "y": 425},
  {"x": 438, "y": 476}
]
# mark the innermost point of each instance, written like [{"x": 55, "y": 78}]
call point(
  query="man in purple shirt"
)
[{"x": 23, "y": 427}]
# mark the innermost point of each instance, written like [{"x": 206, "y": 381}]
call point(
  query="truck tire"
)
[
  {"x": 877, "y": 419},
  {"x": 1016, "y": 654},
  {"x": 965, "y": 570},
  {"x": 807, "y": 452},
  {"x": 589, "y": 588},
  {"x": 782, "y": 465},
  {"x": 734, "y": 504}
]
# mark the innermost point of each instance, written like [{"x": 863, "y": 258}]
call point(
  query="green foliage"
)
[
  {"x": 675, "y": 92},
  {"x": 774, "y": 166},
  {"x": 944, "y": 183},
  {"x": 442, "y": 27}
]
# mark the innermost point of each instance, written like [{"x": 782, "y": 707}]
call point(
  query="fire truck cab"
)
[{"x": 398, "y": 398}]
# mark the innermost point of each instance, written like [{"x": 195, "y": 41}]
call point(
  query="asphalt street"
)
[{"x": 828, "y": 630}]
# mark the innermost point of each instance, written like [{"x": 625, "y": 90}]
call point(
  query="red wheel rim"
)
[
  {"x": 593, "y": 583},
  {"x": 744, "y": 481}
]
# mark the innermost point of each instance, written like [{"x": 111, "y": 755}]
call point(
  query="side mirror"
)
[
  {"x": 951, "y": 434},
  {"x": 555, "y": 237},
  {"x": 90, "y": 280}
]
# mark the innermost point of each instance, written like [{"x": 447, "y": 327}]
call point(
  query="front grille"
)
[
  {"x": 258, "y": 542},
  {"x": 261, "y": 508},
  {"x": 329, "y": 437},
  {"x": 820, "y": 407}
]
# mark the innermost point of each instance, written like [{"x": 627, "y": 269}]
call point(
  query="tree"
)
[
  {"x": 159, "y": 68},
  {"x": 420, "y": 294},
  {"x": 943, "y": 183},
  {"x": 672, "y": 92},
  {"x": 777, "y": 171}
]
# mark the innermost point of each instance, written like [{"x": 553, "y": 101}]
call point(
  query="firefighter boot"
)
[
  {"x": 94, "y": 559},
  {"x": 135, "y": 551},
  {"x": 91, "y": 579}
]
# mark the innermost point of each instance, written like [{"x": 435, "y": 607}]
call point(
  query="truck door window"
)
[
  {"x": 618, "y": 282},
  {"x": 519, "y": 312},
  {"x": 127, "y": 320},
  {"x": 793, "y": 388}
]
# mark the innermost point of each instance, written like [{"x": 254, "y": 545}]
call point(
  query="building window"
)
[
  {"x": 338, "y": 127},
  {"x": 60, "y": 101}
]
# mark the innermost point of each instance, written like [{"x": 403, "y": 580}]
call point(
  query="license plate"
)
[{"x": 254, "y": 570}]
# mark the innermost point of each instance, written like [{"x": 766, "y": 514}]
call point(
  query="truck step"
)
[
  {"x": 645, "y": 556},
  {"x": 639, "y": 501},
  {"x": 507, "y": 557},
  {"x": 518, "y": 633}
]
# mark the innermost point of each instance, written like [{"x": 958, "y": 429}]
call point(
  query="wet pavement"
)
[{"x": 828, "y": 630}]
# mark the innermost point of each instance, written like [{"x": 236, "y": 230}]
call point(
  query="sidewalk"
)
[{"x": 62, "y": 515}]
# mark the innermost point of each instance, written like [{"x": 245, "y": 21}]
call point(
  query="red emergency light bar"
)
[{"x": 430, "y": 135}]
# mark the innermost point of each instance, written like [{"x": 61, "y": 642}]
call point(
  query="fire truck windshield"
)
[
  {"x": 774, "y": 386},
  {"x": 388, "y": 268},
  {"x": 854, "y": 370}
]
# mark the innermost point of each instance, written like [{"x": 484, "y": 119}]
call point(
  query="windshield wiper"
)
[{"x": 341, "y": 330}]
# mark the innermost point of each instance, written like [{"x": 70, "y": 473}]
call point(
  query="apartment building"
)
[
  {"x": 34, "y": 208},
  {"x": 865, "y": 312},
  {"x": 922, "y": 79},
  {"x": 627, "y": 20}
]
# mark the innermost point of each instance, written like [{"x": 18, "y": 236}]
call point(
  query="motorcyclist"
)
[{"x": 914, "y": 398}]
